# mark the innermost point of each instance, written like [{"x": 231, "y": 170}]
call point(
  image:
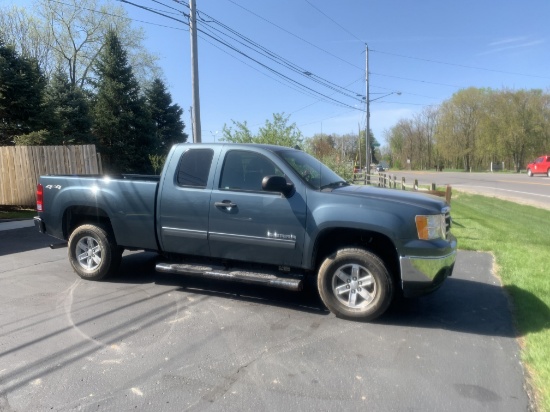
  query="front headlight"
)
[{"x": 430, "y": 227}]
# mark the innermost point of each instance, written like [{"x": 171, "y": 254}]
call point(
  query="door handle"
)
[{"x": 227, "y": 204}]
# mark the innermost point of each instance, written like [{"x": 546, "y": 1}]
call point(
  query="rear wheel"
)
[
  {"x": 93, "y": 252},
  {"x": 355, "y": 284},
  {"x": 548, "y": 173}
]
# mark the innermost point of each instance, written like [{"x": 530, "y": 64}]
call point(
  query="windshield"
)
[{"x": 311, "y": 170}]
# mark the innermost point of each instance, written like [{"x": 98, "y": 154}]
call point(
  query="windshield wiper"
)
[{"x": 334, "y": 185}]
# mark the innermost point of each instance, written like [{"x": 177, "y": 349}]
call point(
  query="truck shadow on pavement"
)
[
  {"x": 23, "y": 240},
  {"x": 460, "y": 305}
]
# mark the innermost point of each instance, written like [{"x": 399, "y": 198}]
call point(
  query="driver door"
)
[{"x": 249, "y": 224}]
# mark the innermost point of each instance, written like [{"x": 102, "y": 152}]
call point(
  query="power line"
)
[
  {"x": 326, "y": 118},
  {"x": 414, "y": 80},
  {"x": 178, "y": 12},
  {"x": 327, "y": 52},
  {"x": 259, "y": 71},
  {"x": 311, "y": 104},
  {"x": 243, "y": 54},
  {"x": 274, "y": 57},
  {"x": 334, "y": 21},
  {"x": 161, "y": 13},
  {"x": 113, "y": 15},
  {"x": 155, "y": 12},
  {"x": 269, "y": 55},
  {"x": 301, "y": 70},
  {"x": 296, "y": 36},
  {"x": 459, "y": 65},
  {"x": 275, "y": 71},
  {"x": 281, "y": 60}
]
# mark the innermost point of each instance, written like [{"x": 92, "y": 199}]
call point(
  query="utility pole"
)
[
  {"x": 196, "y": 114},
  {"x": 367, "y": 143}
]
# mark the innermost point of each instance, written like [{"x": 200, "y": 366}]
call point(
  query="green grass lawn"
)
[
  {"x": 16, "y": 212},
  {"x": 519, "y": 238}
]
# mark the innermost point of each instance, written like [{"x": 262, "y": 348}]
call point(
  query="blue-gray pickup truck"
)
[{"x": 258, "y": 214}]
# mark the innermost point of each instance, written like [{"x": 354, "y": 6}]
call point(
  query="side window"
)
[
  {"x": 245, "y": 171},
  {"x": 194, "y": 167}
]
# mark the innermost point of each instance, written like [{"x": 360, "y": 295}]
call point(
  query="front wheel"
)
[
  {"x": 355, "y": 284},
  {"x": 529, "y": 173},
  {"x": 548, "y": 173},
  {"x": 93, "y": 252}
]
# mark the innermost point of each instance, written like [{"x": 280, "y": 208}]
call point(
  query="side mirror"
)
[{"x": 277, "y": 184}]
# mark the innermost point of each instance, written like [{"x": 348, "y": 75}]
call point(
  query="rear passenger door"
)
[
  {"x": 184, "y": 203},
  {"x": 249, "y": 224}
]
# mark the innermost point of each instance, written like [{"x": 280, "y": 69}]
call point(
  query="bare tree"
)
[
  {"x": 71, "y": 35},
  {"x": 29, "y": 36}
]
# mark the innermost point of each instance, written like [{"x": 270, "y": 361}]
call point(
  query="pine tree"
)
[
  {"x": 166, "y": 117},
  {"x": 122, "y": 123},
  {"x": 21, "y": 91},
  {"x": 69, "y": 120}
]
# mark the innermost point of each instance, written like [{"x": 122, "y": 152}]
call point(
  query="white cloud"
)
[{"x": 511, "y": 44}]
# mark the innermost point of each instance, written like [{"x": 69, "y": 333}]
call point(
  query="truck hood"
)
[{"x": 426, "y": 201}]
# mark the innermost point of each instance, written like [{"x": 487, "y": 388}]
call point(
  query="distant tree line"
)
[
  {"x": 67, "y": 77},
  {"x": 472, "y": 129}
]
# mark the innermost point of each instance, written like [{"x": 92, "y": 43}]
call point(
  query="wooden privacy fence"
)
[{"x": 20, "y": 167}]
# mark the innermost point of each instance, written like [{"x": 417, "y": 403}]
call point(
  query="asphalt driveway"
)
[{"x": 156, "y": 342}]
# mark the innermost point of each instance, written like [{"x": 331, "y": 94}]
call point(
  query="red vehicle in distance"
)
[{"x": 539, "y": 166}]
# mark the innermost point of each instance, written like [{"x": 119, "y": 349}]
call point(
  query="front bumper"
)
[{"x": 421, "y": 275}]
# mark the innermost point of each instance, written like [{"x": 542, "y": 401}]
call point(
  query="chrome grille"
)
[{"x": 448, "y": 222}]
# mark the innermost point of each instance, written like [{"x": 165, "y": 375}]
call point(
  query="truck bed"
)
[{"x": 127, "y": 200}]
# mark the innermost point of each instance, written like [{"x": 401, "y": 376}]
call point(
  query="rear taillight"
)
[{"x": 39, "y": 198}]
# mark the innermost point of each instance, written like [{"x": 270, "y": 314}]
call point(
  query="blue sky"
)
[{"x": 425, "y": 49}]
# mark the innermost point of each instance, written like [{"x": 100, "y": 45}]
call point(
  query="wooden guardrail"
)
[
  {"x": 390, "y": 181},
  {"x": 20, "y": 167}
]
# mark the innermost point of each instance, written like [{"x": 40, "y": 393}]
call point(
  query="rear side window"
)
[{"x": 194, "y": 167}]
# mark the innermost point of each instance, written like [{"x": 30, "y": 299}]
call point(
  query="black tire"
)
[
  {"x": 93, "y": 252},
  {"x": 529, "y": 173},
  {"x": 355, "y": 284},
  {"x": 548, "y": 173}
]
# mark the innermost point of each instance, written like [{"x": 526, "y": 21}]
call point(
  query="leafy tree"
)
[
  {"x": 277, "y": 132},
  {"x": 459, "y": 131},
  {"x": 321, "y": 145},
  {"x": 517, "y": 123},
  {"x": 473, "y": 128},
  {"x": 37, "y": 138},
  {"x": 21, "y": 90},
  {"x": 157, "y": 162},
  {"x": 68, "y": 111},
  {"x": 242, "y": 134},
  {"x": 122, "y": 123},
  {"x": 166, "y": 117}
]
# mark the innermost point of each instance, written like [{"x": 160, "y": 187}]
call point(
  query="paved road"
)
[
  {"x": 518, "y": 188},
  {"x": 154, "y": 342}
]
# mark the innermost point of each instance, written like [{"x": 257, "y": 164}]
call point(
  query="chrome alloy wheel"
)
[
  {"x": 354, "y": 286},
  {"x": 88, "y": 253}
]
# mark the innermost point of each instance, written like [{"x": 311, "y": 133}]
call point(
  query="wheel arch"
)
[
  {"x": 75, "y": 216},
  {"x": 331, "y": 240}
]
